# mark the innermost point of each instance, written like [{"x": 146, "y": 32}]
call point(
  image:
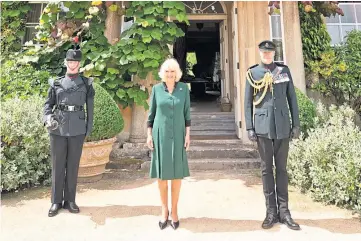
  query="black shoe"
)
[
  {"x": 174, "y": 225},
  {"x": 269, "y": 221},
  {"x": 163, "y": 225},
  {"x": 290, "y": 223},
  {"x": 54, "y": 209},
  {"x": 71, "y": 206}
]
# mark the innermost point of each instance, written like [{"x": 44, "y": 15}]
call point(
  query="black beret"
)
[
  {"x": 73, "y": 55},
  {"x": 267, "y": 45}
]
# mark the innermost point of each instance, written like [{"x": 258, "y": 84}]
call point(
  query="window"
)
[
  {"x": 34, "y": 16},
  {"x": 33, "y": 20},
  {"x": 276, "y": 27},
  {"x": 338, "y": 26}
]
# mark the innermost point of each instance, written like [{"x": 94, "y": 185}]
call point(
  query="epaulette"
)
[
  {"x": 87, "y": 80},
  {"x": 55, "y": 81},
  {"x": 253, "y": 66}
]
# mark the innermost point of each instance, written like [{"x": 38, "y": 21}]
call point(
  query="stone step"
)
[
  {"x": 198, "y": 113},
  {"x": 214, "y": 164},
  {"x": 216, "y": 142},
  {"x": 213, "y": 122},
  {"x": 216, "y": 129},
  {"x": 212, "y": 118},
  {"x": 213, "y": 132},
  {"x": 221, "y": 152},
  {"x": 214, "y": 137}
]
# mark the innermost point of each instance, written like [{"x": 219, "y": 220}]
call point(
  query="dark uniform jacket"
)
[
  {"x": 65, "y": 102},
  {"x": 271, "y": 117}
]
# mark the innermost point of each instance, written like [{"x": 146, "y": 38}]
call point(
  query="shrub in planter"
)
[
  {"x": 327, "y": 164},
  {"x": 307, "y": 112},
  {"x": 25, "y": 157},
  {"x": 108, "y": 122}
]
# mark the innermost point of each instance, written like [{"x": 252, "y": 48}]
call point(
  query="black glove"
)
[
  {"x": 252, "y": 135},
  {"x": 295, "y": 132}
]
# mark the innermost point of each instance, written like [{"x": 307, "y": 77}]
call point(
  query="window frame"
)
[
  {"x": 282, "y": 38},
  {"x": 33, "y": 25},
  {"x": 356, "y": 24}
]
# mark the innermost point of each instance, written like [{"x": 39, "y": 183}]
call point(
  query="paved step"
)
[
  {"x": 218, "y": 128},
  {"x": 213, "y": 123},
  {"x": 219, "y": 152},
  {"x": 214, "y": 164},
  {"x": 214, "y": 137},
  {"x": 213, "y": 132}
]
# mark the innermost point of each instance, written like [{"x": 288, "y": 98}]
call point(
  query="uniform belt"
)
[{"x": 70, "y": 107}]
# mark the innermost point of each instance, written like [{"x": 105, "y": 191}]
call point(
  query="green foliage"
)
[
  {"x": 191, "y": 61},
  {"x": 327, "y": 164},
  {"x": 22, "y": 81},
  {"x": 13, "y": 18},
  {"x": 140, "y": 50},
  {"x": 307, "y": 112},
  {"x": 108, "y": 121},
  {"x": 339, "y": 70},
  {"x": 315, "y": 37},
  {"x": 24, "y": 144}
]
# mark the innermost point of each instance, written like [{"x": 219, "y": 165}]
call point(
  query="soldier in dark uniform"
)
[
  {"x": 68, "y": 125},
  {"x": 268, "y": 93}
]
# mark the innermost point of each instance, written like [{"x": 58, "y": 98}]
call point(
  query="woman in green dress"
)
[{"x": 168, "y": 136}]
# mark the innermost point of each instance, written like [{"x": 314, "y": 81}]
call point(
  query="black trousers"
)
[
  {"x": 65, "y": 153},
  {"x": 277, "y": 150}
]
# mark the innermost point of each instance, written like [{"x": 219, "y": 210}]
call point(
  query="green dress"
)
[{"x": 169, "y": 114}]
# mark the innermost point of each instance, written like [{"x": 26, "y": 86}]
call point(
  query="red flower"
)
[{"x": 76, "y": 39}]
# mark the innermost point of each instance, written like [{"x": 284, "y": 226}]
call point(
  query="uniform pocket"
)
[{"x": 261, "y": 121}]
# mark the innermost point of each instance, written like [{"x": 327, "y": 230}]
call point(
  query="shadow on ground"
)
[{"x": 206, "y": 225}]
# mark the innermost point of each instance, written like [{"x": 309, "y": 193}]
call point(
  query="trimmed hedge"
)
[{"x": 108, "y": 121}]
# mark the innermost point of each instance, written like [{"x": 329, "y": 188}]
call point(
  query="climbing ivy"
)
[
  {"x": 140, "y": 50},
  {"x": 315, "y": 37},
  {"x": 13, "y": 18}
]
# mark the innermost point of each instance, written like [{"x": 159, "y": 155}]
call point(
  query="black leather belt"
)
[{"x": 70, "y": 107}]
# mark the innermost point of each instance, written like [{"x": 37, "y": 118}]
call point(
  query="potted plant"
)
[
  {"x": 108, "y": 122},
  {"x": 226, "y": 105}
]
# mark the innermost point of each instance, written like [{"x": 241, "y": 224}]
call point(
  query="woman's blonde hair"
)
[{"x": 170, "y": 64}]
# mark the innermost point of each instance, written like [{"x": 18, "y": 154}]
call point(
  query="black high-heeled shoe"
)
[
  {"x": 163, "y": 225},
  {"x": 174, "y": 225}
]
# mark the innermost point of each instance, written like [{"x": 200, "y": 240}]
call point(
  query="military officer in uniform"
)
[
  {"x": 68, "y": 125},
  {"x": 268, "y": 93}
]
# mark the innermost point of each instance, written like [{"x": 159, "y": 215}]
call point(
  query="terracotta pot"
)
[{"x": 94, "y": 157}]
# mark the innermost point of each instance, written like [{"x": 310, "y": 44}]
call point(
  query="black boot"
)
[
  {"x": 71, "y": 206},
  {"x": 290, "y": 223},
  {"x": 54, "y": 209},
  {"x": 269, "y": 221}
]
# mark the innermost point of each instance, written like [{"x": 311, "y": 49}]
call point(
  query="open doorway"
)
[{"x": 199, "y": 56}]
